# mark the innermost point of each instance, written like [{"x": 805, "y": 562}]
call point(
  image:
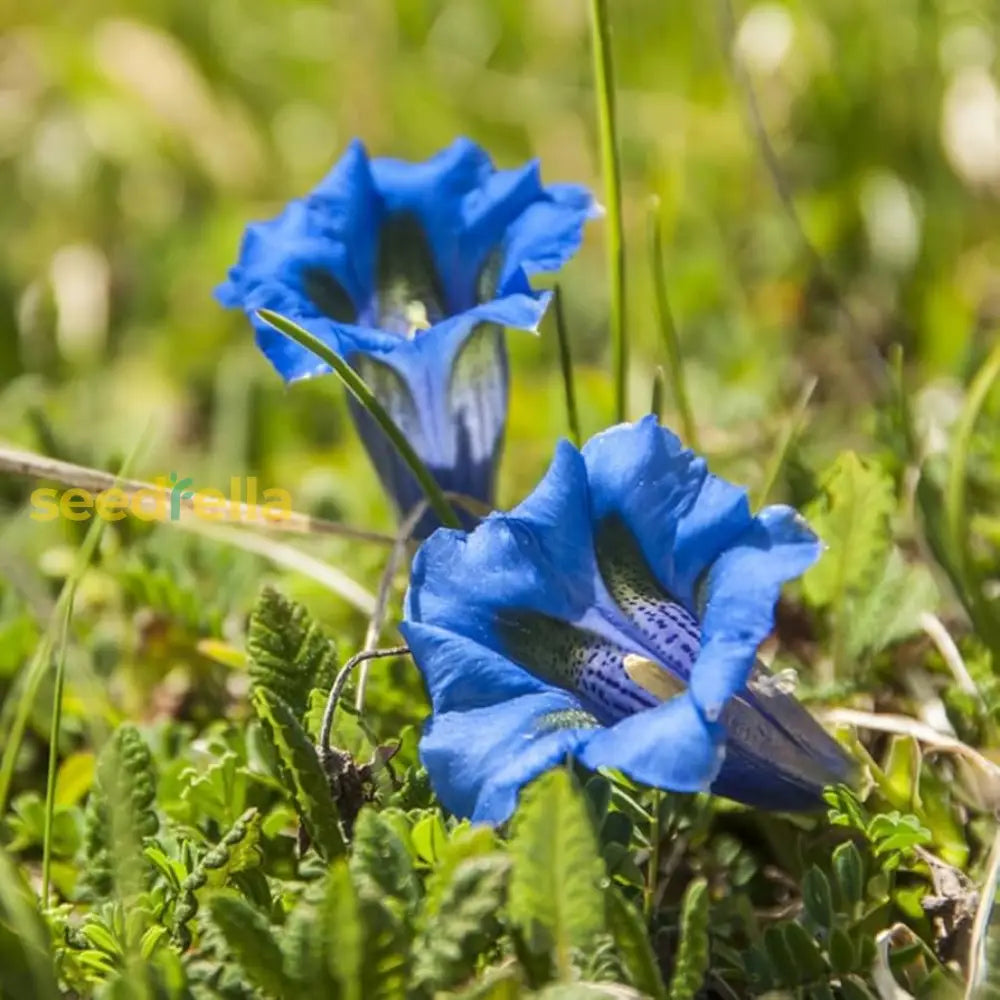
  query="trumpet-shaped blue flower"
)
[
  {"x": 410, "y": 272},
  {"x": 614, "y": 616}
]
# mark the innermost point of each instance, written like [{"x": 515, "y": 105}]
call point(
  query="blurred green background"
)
[{"x": 136, "y": 141}]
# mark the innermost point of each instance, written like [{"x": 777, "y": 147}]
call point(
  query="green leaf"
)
[
  {"x": 466, "y": 842},
  {"x": 691, "y": 961},
  {"x": 817, "y": 898},
  {"x": 26, "y": 967},
  {"x": 890, "y": 610},
  {"x": 120, "y": 813},
  {"x": 852, "y": 517},
  {"x": 300, "y": 772},
  {"x": 632, "y": 941},
  {"x": 238, "y": 851},
  {"x": 841, "y": 950},
  {"x": 465, "y": 923},
  {"x": 288, "y": 653},
  {"x": 248, "y": 935},
  {"x": 902, "y": 773},
  {"x": 807, "y": 954},
  {"x": 379, "y": 859},
  {"x": 344, "y": 932},
  {"x": 848, "y": 867},
  {"x": 555, "y": 895}
]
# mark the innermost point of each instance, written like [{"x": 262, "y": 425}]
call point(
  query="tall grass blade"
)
[
  {"x": 604, "y": 81},
  {"x": 955, "y": 503},
  {"x": 668, "y": 329}
]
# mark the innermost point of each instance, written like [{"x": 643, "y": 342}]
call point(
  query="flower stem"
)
[
  {"x": 611, "y": 169},
  {"x": 668, "y": 330},
  {"x": 356, "y": 385},
  {"x": 566, "y": 366}
]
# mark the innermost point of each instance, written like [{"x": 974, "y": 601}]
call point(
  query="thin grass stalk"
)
[
  {"x": 668, "y": 328},
  {"x": 604, "y": 78},
  {"x": 53, "y": 766}
]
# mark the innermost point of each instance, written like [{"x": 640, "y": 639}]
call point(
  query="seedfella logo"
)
[{"x": 164, "y": 500}]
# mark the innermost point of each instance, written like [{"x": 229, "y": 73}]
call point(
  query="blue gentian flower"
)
[
  {"x": 614, "y": 617},
  {"x": 410, "y": 272}
]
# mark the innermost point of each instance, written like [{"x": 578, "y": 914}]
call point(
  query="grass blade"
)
[
  {"x": 566, "y": 366},
  {"x": 357, "y": 387},
  {"x": 956, "y": 515},
  {"x": 668, "y": 329},
  {"x": 611, "y": 171},
  {"x": 53, "y": 767}
]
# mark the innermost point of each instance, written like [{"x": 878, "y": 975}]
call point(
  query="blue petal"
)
[
  {"x": 334, "y": 231},
  {"x": 777, "y": 755},
  {"x": 461, "y": 674},
  {"x": 671, "y": 746},
  {"x": 546, "y": 234},
  {"x": 742, "y": 589},
  {"x": 640, "y": 473},
  {"x": 539, "y": 557},
  {"x": 479, "y": 760}
]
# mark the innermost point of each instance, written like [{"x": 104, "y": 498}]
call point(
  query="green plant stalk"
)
[
  {"x": 956, "y": 518},
  {"x": 789, "y": 433},
  {"x": 656, "y": 397},
  {"x": 359, "y": 389},
  {"x": 668, "y": 330},
  {"x": 566, "y": 366},
  {"x": 50, "y": 784},
  {"x": 611, "y": 171},
  {"x": 653, "y": 869}
]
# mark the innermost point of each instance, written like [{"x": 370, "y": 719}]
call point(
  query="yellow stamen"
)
[
  {"x": 416, "y": 317},
  {"x": 651, "y": 677}
]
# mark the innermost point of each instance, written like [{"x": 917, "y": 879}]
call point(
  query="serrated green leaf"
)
[
  {"x": 851, "y": 516},
  {"x": 251, "y": 942},
  {"x": 555, "y": 895},
  {"x": 632, "y": 941},
  {"x": 301, "y": 772},
  {"x": 343, "y": 932},
  {"x": 380, "y": 860},
  {"x": 817, "y": 897},
  {"x": 890, "y": 610},
  {"x": 465, "y": 842},
  {"x": 465, "y": 923},
  {"x": 288, "y": 652},
  {"x": 691, "y": 960}
]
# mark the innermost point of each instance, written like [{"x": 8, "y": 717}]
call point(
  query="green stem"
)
[
  {"x": 653, "y": 870},
  {"x": 566, "y": 366},
  {"x": 668, "y": 329},
  {"x": 50, "y": 784},
  {"x": 356, "y": 385},
  {"x": 611, "y": 170},
  {"x": 656, "y": 398},
  {"x": 956, "y": 515}
]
